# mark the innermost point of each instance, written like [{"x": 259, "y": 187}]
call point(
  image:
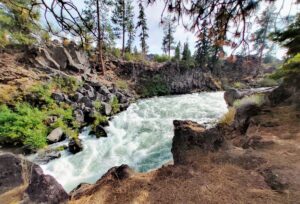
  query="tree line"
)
[{"x": 20, "y": 21}]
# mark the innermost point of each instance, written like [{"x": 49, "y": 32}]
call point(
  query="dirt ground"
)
[{"x": 267, "y": 171}]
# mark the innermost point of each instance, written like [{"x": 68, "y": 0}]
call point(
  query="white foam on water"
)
[{"x": 141, "y": 137}]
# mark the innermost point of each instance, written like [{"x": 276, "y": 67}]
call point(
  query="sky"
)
[{"x": 153, "y": 15}]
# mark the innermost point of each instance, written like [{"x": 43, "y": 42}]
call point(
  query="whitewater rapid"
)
[{"x": 141, "y": 137}]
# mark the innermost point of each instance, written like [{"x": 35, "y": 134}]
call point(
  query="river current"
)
[{"x": 141, "y": 137}]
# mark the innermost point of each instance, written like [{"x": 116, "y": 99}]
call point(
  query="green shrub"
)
[
  {"x": 115, "y": 105},
  {"x": 122, "y": 84},
  {"x": 23, "y": 125},
  {"x": 291, "y": 67},
  {"x": 42, "y": 92},
  {"x": 155, "y": 86},
  {"x": 187, "y": 64},
  {"x": 228, "y": 118},
  {"x": 257, "y": 99},
  {"x": 116, "y": 52},
  {"x": 97, "y": 105},
  {"x": 239, "y": 85},
  {"x": 99, "y": 119},
  {"x": 267, "y": 82},
  {"x": 161, "y": 58},
  {"x": 66, "y": 84}
]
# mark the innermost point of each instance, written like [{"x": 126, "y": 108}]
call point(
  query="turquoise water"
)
[{"x": 141, "y": 137}]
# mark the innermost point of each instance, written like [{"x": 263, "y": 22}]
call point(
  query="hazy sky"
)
[{"x": 153, "y": 15}]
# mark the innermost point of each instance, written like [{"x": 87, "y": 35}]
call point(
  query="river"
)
[{"x": 141, "y": 137}]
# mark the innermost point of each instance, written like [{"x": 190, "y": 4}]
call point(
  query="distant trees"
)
[
  {"x": 168, "y": 43},
  {"x": 267, "y": 24},
  {"x": 186, "y": 53},
  {"x": 204, "y": 48},
  {"x": 17, "y": 25},
  {"x": 178, "y": 52},
  {"x": 142, "y": 24},
  {"x": 123, "y": 21}
]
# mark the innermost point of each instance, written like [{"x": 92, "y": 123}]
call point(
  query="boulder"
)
[
  {"x": 44, "y": 188},
  {"x": 86, "y": 101},
  {"x": 231, "y": 95},
  {"x": 75, "y": 146},
  {"x": 44, "y": 157},
  {"x": 79, "y": 116},
  {"x": 56, "y": 135},
  {"x": 243, "y": 116},
  {"x": 104, "y": 90},
  {"x": 28, "y": 179},
  {"x": 11, "y": 172},
  {"x": 106, "y": 108},
  {"x": 99, "y": 131},
  {"x": 121, "y": 97},
  {"x": 77, "y": 97},
  {"x": 193, "y": 136},
  {"x": 58, "y": 97}
]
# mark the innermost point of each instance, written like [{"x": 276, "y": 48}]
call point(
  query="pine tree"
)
[
  {"x": 142, "y": 23},
  {"x": 130, "y": 26},
  {"x": 178, "y": 52},
  {"x": 122, "y": 19},
  {"x": 204, "y": 49},
  {"x": 266, "y": 22},
  {"x": 96, "y": 9},
  {"x": 168, "y": 39},
  {"x": 186, "y": 53},
  {"x": 17, "y": 25}
]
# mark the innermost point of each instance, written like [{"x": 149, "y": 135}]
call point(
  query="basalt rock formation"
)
[
  {"x": 254, "y": 160},
  {"x": 25, "y": 182},
  {"x": 174, "y": 78}
]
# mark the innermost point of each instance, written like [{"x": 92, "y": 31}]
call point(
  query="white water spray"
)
[{"x": 141, "y": 137}]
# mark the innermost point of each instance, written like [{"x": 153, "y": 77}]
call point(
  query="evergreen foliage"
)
[
  {"x": 204, "y": 49},
  {"x": 168, "y": 43},
  {"x": 178, "y": 52},
  {"x": 17, "y": 26},
  {"x": 142, "y": 23},
  {"x": 122, "y": 17}
]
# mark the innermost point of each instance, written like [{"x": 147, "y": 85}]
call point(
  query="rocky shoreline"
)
[{"x": 192, "y": 143}]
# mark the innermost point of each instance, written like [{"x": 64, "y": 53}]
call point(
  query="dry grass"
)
[
  {"x": 257, "y": 99},
  {"x": 228, "y": 118}
]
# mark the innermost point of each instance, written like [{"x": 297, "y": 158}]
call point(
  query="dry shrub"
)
[{"x": 228, "y": 118}]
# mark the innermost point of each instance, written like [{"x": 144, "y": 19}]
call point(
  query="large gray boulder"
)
[
  {"x": 56, "y": 135},
  {"x": 231, "y": 95},
  {"x": 28, "y": 179},
  {"x": 106, "y": 108},
  {"x": 44, "y": 188}
]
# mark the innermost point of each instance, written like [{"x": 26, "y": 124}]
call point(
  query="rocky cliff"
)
[{"x": 219, "y": 165}]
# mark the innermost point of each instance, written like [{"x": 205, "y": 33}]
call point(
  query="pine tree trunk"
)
[
  {"x": 100, "y": 56},
  {"x": 123, "y": 40}
]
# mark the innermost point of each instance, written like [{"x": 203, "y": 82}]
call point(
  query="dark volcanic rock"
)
[
  {"x": 75, "y": 146},
  {"x": 243, "y": 116},
  {"x": 58, "y": 97},
  {"x": 44, "y": 188},
  {"x": 11, "y": 172},
  {"x": 99, "y": 131},
  {"x": 191, "y": 135},
  {"x": 16, "y": 172}
]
